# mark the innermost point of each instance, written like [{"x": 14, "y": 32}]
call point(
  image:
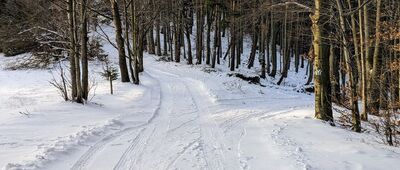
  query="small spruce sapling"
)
[{"x": 110, "y": 73}]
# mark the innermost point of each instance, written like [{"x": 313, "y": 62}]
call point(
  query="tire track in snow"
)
[
  {"x": 144, "y": 141},
  {"x": 195, "y": 111},
  {"x": 208, "y": 145},
  {"x": 134, "y": 142},
  {"x": 125, "y": 162},
  {"x": 179, "y": 154},
  {"x": 213, "y": 155},
  {"x": 83, "y": 161}
]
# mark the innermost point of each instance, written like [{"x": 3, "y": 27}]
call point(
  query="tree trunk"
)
[
  {"x": 166, "y": 38},
  {"x": 364, "y": 74},
  {"x": 310, "y": 72},
  {"x": 134, "y": 44},
  {"x": 323, "y": 108},
  {"x": 79, "y": 97},
  {"x": 216, "y": 38},
  {"x": 334, "y": 71},
  {"x": 286, "y": 49},
  {"x": 111, "y": 85},
  {"x": 199, "y": 35},
  {"x": 262, "y": 47},
  {"x": 255, "y": 37},
  {"x": 120, "y": 42},
  {"x": 377, "y": 64},
  {"x": 233, "y": 39},
  {"x": 158, "y": 39},
  {"x": 72, "y": 52},
  {"x": 208, "y": 39},
  {"x": 126, "y": 36},
  {"x": 177, "y": 43},
  {"x": 367, "y": 55},
  {"x": 150, "y": 41},
  {"x": 351, "y": 70},
  {"x": 273, "y": 48},
  {"x": 84, "y": 49},
  {"x": 189, "y": 46}
]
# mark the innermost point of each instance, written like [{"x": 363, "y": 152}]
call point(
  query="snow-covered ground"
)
[{"x": 180, "y": 117}]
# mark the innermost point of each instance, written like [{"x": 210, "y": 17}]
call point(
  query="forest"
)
[{"x": 347, "y": 53}]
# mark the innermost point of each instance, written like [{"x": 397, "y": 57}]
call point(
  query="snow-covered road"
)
[
  {"x": 185, "y": 118},
  {"x": 192, "y": 127},
  {"x": 188, "y": 129}
]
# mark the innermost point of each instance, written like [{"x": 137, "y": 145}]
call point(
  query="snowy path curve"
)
[
  {"x": 191, "y": 127},
  {"x": 177, "y": 135}
]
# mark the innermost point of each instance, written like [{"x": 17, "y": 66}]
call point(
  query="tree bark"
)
[
  {"x": 120, "y": 42},
  {"x": 199, "y": 34},
  {"x": 208, "y": 39},
  {"x": 334, "y": 71},
  {"x": 72, "y": 52},
  {"x": 158, "y": 39},
  {"x": 351, "y": 70},
  {"x": 273, "y": 48},
  {"x": 84, "y": 49},
  {"x": 254, "y": 45},
  {"x": 134, "y": 44},
  {"x": 377, "y": 64},
  {"x": 323, "y": 108},
  {"x": 364, "y": 74}
]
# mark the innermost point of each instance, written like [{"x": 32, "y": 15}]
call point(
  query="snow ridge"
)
[{"x": 49, "y": 152}]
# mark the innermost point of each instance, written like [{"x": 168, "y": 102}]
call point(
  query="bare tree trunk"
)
[
  {"x": 233, "y": 39},
  {"x": 364, "y": 74},
  {"x": 273, "y": 47},
  {"x": 297, "y": 52},
  {"x": 216, "y": 38},
  {"x": 377, "y": 64},
  {"x": 111, "y": 86},
  {"x": 323, "y": 108},
  {"x": 150, "y": 40},
  {"x": 233, "y": 52},
  {"x": 72, "y": 52},
  {"x": 255, "y": 38},
  {"x": 189, "y": 45},
  {"x": 177, "y": 43},
  {"x": 126, "y": 35},
  {"x": 120, "y": 42},
  {"x": 170, "y": 41},
  {"x": 79, "y": 97},
  {"x": 219, "y": 37},
  {"x": 262, "y": 47},
  {"x": 141, "y": 37},
  {"x": 158, "y": 38},
  {"x": 310, "y": 72},
  {"x": 286, "y": 49},
  {"x": 351, "y": 70},
  {"x": 296, "y": 57},
  {"x": 334, "y": 71},
  {"x": 199, "y": 34},
  {"x": 134, "y": 44},
  {"x": 84, "y": 49},
  {"x": 166, "y": 38},
  {"x": 208, "y": 39},
  {"x": 367, "y": 55}
]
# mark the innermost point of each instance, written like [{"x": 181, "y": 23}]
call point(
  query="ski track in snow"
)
[
  {"x": 183, "y": 130},
  {"x": 201, "y": 144},
  {"x": 89, "y": 154}
]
